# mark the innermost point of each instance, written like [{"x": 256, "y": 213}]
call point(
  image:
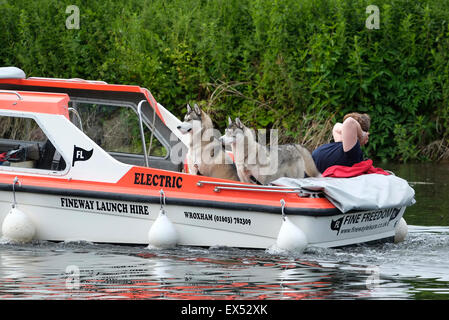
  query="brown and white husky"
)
[
  {"x": 206, "y": 154},
  {"x": 257, "y": 163}
]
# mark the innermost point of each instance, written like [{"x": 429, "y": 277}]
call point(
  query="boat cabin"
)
[{"x": 118, "y": 118}]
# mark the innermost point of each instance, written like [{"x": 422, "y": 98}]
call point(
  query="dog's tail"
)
[{"x": 309, "y": 165}]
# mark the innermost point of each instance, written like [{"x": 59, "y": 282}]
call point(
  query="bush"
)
[{"x": 298, "y": 66}]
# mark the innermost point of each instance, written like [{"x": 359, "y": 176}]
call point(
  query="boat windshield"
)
[{"x": 116, "y": 129}]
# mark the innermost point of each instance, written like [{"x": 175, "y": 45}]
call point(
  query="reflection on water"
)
[{"x": 414, "y": 269}]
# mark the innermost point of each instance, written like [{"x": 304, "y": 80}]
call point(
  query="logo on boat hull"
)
[
  {"x": 336, "y": 224},
  {"x": 364, "y": 221},
  {"x": 79, "y": 154}
]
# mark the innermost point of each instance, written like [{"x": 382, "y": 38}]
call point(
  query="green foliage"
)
[{"x": 291, "y": 64}]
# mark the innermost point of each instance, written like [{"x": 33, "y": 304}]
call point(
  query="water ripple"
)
[{"x": 79, "y": 270}]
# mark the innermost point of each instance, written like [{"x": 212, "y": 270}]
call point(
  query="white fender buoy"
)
[
  {"x": 162, "y": 233},
  {"x": 290, "y": 237},
  {"x": 401, "y": 231},
  {"x": 17, "y": 226}
]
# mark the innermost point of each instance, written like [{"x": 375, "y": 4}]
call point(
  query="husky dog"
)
[
  {"x": 206, "y": 154},
  {"x": 257, "y": 163}
]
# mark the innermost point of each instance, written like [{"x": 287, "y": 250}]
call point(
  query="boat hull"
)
[{"x": 67, "y": 218}]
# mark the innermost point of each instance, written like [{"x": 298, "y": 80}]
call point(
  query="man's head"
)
[{"x": 362, "y": 118}]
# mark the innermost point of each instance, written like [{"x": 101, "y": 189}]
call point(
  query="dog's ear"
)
[
  {"x": 197, "y": 109},
  {"x": 238, "y": 123},
  {"x": 189, "y": 109},
  {"x": 229, "y": 121}
]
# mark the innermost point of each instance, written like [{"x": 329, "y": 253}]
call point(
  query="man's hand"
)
[{"x": 363, "y": 139}]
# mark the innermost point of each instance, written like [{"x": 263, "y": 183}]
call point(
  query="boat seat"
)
[
  {"x": 46, "y": 156},
  {"x": 50, "y": 159}
]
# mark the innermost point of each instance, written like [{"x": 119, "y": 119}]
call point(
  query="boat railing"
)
[
  {"x": 75, "y": 112},
  {"x": 69, "y": 80},
  {"x": 12, "y": 92},
  {"x": 218, "y": 186},
  {"x": 142, "y": 135}
]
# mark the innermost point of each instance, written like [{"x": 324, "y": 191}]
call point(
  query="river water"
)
[{"x": 417, "y": 268}]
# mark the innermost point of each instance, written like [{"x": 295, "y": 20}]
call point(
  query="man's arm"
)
[{"x": 351, "y": 132}]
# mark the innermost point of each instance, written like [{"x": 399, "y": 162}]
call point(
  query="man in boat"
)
[{"x": 349, "y": 137}]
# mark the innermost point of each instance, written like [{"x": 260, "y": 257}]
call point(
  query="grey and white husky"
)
[
  {"x": 257, "y": 163},
  {"x": 206, "y": 154}
]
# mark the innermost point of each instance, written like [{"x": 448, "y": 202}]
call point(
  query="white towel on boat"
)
[{"x": 364, "y": 192}]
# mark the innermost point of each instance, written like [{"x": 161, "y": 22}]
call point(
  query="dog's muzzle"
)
[
  {"x": 184, "y": 129},
  {"x": 226, "y": 140}
]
